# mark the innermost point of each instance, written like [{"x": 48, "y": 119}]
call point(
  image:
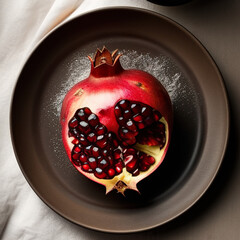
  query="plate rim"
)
[{"x": 206, "y": 53}]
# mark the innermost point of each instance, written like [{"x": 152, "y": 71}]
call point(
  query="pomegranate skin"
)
[
  {"x": 101, "y": 94},
  {"x": 107, "y": 84}
]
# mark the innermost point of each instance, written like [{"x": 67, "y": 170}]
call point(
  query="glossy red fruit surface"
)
[{"x": 116, "y": 124}]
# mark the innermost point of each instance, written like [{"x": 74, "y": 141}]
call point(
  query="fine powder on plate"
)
[{"x": 160, "y": 67}]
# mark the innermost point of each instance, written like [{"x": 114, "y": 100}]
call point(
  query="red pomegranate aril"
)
[
  {"x": 92, "y": 162},
  {"x": 121, "y": 120},
  {"x": 157, "y": 115},
  {"x": 128, "y": 159},
  {"x": 115, "y": 143},
  {"x": 124, "y": 104},
  {"x": 95, "y": 151},
  {"x": 127, "y": 114},
  {"x": 131, "y": 163},
  {"x": 85, "y": 167},
  {"x": 76, "y": 162},
  {"x": 133, "y": 134},
  {"x": 76, "y": 149},
  {"x": 75, "y": 156},
  {"x": 74, "y": 132},
  {"x": 123, "y": 132},
  {"x": 145, "y": 111},
  {"x": 136, "y": 108},
  {"x": 131, "y": 126},
  {"x": 87, "y": 111},
  {"x": 143, "y": 167},
  {"x": 75, "y": 141},
  {"x": 150, "y": 140},
  {"x": 136, "y": 172},
  {"x": 113, "y": 139},
  {"x": 117, "y": 154},
  {"x": 111, "y": 172},
  {"x": 106, "y": 152},
  {"x": 126, "y": 134},
  {"x": 88, "y": 150},
  {"x": 83, "y": 140},
  {"x": 129, "y": 151},
  {"x": 83, "y": 158},
  {"x": 101, "y": 141},
  {"x": 118, "y": 169},
  {"x": 117, "y": 111},
  {"x": 73, "y": 122},
  {"x": 111, "y": 161},
  {"x": 92, "y": 137},
  {"x": 129, "y": 142},
  {"x": 141, "y": 125},
  {"x": 93, "y": 119},
  {"x": 119, "y": 166},
  {"x": 111, "y": 136},
  {"x": 145, "y": 162},
  {"x": 150, "y": 160},
  {"x": 84, "y": 127},
  {"x": 99, "y": 173},
  {"x": 100, "y": 137},
  {"x": 103, "y": 164},
  {"x": 90, "y": 170},
  {"x": 81, "y": 114},
  {"x": 100, "y": 129},
  {"x": 137, "y": 118}
]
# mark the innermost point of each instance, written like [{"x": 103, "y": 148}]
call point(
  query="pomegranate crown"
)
[{"x": 105, "y": 63}]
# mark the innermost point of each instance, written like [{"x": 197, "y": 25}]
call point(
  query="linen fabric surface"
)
[{"x": 23, "y": 24}]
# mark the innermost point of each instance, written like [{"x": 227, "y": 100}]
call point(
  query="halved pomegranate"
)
[{"x": 116, "y": 124}]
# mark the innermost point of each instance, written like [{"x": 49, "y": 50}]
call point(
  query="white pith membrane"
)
[{"x": 126, "y": 180}]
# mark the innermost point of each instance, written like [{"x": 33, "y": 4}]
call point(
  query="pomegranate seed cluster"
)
[
  {"x": 139, "y": 123},
  {"x": 104, "y": 154}
]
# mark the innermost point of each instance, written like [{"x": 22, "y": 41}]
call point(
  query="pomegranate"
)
[{"x": 116, "y": 124}]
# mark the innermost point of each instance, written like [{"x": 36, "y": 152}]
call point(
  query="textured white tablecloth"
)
[
  {"x": 22, "y": 24},
  {"x": 23, "y": 216}
]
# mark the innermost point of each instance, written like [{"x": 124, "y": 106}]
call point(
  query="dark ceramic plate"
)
[
  {"x": 169, "y": 2},
  {"x": 201, "y": 120}
]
